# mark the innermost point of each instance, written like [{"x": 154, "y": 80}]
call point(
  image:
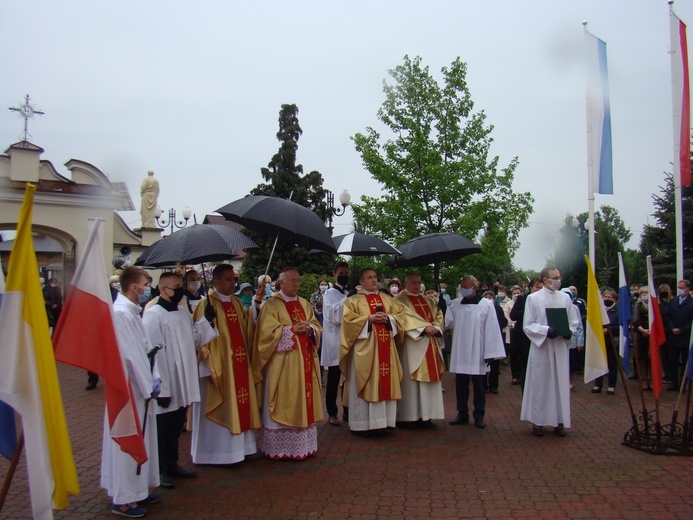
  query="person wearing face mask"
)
[
  {"x": 265, "y": 281},
  {"x": 610, "y": 299},
  {"x": 518, "y": 339},
  {"x": 169, "y": 325},
  {"x": 318, "y": 295},
  {"x": 245, "y": 293},
  {"x": 127, "y": 487},
  {"x": 193, "y": 290},
  {"x": 641, "y": 326},
  {"x": 678, "y": 325},
  {"x": 513, "y": 353},
  {"x": 476, "y": 341},
  {"x": 546, "y": 399},
  {"x": 394, "y": 287}
]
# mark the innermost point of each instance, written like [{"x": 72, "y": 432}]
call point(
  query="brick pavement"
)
[{"x": 445, "y": 472}]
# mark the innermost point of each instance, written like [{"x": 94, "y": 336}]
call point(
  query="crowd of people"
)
[{"x": 242, "y": 367}]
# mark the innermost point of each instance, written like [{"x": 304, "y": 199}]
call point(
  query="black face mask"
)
[
  {"x": 663, "y": 296},
  {"x": 608, "y": 303},
  {"x": 177, "y": 295},
  {"x": 343, "y": 280}
]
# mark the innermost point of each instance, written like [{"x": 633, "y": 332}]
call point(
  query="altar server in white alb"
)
[
  {"x": 546, "y": 397},
  {"x": 476, "y": 339},
  {"x": 421, "y": 358},
  {"x": 171, "y": 327},
  {"x": 119, "y": 476}
]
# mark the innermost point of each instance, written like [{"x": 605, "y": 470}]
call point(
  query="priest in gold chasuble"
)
[
  {"x": 368, "y": 355},
  {"x": 224, "y": 420},
  {"x": 285, "y": 360},
  {"x": 421, "y": 358}
]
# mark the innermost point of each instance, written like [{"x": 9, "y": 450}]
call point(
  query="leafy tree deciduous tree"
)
[{"x": 435, "y": 169}]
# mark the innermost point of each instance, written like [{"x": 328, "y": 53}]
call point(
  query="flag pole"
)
[
  {"x": 11, "y": 470},
  {"x": 590, "y": 164},
  {"x": 622, "y": 373}
]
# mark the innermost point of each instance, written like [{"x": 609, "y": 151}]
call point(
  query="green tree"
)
[
  {"x": 284, "y": 178},
  {"x": 435, "y": 170},
  {"x": 659, "y": 240}
]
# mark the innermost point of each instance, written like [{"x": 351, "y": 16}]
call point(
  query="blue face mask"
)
[
  {"x": 443, "y": 290},
  {"x": 268, "y": 290},
  {"x": 246, "y": 299},
  {"x": 466, "y": 293},
  {"x": 144, "y": 297}
]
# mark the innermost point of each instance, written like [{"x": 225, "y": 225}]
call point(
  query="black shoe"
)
[
  {"x": 90, "y": 386},
  {"x": 560, "y": 431},
  {"x": 672, "y": 388},
  {"x": 538, "y": 431},
  {"x": 460, "y": 419},
  {"x": 597, "y": 390},
  {"x": 165, "y": 482},
  {"x": 634, "y": 376},
  {"x": 479, "y": 423},
  {"x": 179, "y": 472}
]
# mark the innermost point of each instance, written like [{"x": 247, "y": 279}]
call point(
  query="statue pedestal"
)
[{"x": 149, "y": 235}]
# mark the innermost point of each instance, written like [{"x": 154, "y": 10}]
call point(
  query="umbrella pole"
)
[{"x": 271, "y": 254}]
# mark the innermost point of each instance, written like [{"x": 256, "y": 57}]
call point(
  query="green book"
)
[{"x": 557, "y": 318}]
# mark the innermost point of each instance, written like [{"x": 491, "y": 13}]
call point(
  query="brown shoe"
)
[{"x": 333, "y": 420}]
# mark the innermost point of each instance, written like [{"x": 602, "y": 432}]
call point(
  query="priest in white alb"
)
[
  {"x": 421, "y": 358},
  {"x": 546, "y": 397}
]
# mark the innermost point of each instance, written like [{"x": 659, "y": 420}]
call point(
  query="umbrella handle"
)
[{"x": 275, "y": 242}]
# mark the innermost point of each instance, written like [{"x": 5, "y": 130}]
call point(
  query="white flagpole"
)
[
  {"x": 676, "y": 96},
  {"x": 590, "y": 163}
]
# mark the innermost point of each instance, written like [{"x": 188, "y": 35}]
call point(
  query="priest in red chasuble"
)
[
  {"x": 224, "y": 420},
  {"x": 368, "y": 357},
  {"x": 285, "y": 361},
  {"x": 421, "y": 358}
]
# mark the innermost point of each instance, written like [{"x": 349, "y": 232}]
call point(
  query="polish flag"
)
[
  {"x": 657, "y": 337},
  {"x": 681, "y": 99},
  {"x": 85, "y": 337}
]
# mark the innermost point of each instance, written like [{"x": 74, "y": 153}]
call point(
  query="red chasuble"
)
[
  {"x": 432, "y": 358},
  {"x": 239, "y": 365},
  {"x": 297, "y": 314},
  {"x": 383, "y": 339}
]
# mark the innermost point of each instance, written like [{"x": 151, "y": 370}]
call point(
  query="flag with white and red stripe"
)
[{"x": 681, "y": 100}]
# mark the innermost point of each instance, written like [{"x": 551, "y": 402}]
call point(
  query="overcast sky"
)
[{"x": 193, "y": 90}]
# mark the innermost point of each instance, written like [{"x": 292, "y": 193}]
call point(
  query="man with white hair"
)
[{"x": 476, "y": 340}]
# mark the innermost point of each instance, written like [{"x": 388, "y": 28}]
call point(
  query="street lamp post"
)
[
  {"x": 344, "y": 200},
  {"x": 171, "y": 222}
]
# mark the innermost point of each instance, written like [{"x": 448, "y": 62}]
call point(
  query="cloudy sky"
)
[{"x": 193, "y": 91}]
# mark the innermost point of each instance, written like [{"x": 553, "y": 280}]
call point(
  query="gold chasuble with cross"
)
[
  {"x": 377, "y": 365},
  {"x": 231, "y": 398},
  {"x": 424, "y": 355},
  {"x": 293, "y": 376}
]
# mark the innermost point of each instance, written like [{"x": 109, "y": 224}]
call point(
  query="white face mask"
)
[
  {"x": 554, "y": 285},
  {"x": 645, "y": 297},
  {"x": 323, "y": 288},
  {"x": 194, "y": 286},
  {"x": 501, "y": 295},
  {"x": 682, "y": 293},
  {"x": 394, "y": 289}
]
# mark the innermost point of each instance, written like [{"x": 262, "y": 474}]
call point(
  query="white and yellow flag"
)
[
  {"x": 597, "y": 318},
  {"x": 29, "y": 378}
]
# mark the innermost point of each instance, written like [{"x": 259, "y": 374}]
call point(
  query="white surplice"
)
[
  {"x": 332, "y": 312},
  {"x": 476, "y": 336},
  {"x": 546, "y": 397},
  {"x": 212, "y": 443},
  {"x": 118, "y": 469},
  {"x": 178, "y": 337}
]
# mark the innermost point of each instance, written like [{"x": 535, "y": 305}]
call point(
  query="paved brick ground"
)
[{"x": 445, "y": 472}]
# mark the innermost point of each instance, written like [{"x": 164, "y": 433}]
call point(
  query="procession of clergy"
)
[{"x": 243, "y": 369}]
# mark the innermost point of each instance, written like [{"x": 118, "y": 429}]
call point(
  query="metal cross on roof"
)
[{"x": 26, "y": 111}]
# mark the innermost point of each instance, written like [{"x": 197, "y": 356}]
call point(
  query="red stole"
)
[
  {"x": 297, "y": 314},
  {"x": 431, "y": 359},
  {"x": 383, "y": 343},
  {"x": 239, "y": 364}
]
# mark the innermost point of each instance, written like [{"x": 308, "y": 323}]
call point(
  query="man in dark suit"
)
[{"x": 678, "y": 325}]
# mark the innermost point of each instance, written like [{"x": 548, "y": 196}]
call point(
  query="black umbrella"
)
[
  {"x": 283, "y": 218},
  {"x": 194, "y": 245},
  {"x": 358, "y": 244},
  {"x": 433, "y": 249}
]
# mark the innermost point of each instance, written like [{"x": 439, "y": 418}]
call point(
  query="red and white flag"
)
[
  {"x": 681, "y": 100},
  {"x": 85, "y": 337},
  {"x": 657, "y": 336}
]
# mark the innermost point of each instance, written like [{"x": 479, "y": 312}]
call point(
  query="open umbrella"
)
[
  {"x": 194, "y": 245},
  {"x": 433, "y": 249},
  {"x": 283, "y": 218},
  {"x": 358, "y": 244}
]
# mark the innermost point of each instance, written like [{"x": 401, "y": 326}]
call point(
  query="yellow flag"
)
[
  {"x": 29, "y": 378},
  {"x": 597, "y": 318}
]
